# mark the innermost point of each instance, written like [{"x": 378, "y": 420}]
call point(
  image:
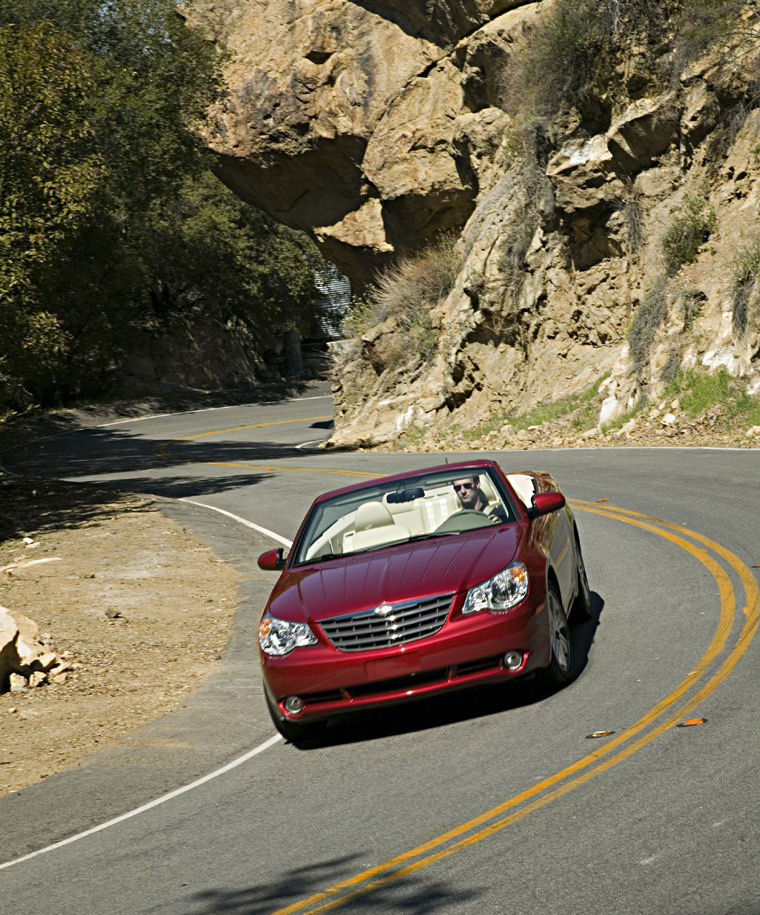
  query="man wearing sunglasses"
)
[{"x": 472, "y": 498}]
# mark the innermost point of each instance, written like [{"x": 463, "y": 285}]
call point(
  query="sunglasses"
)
[{"x": 458, "y": 486}]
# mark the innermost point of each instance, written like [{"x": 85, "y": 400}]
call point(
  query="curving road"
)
[{"x": 488, "y": 802}]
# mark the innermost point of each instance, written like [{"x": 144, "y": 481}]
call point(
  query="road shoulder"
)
[{"x": 163, "y": 693}]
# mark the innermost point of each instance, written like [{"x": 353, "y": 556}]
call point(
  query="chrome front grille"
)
[{"x": 388, "y": 624}]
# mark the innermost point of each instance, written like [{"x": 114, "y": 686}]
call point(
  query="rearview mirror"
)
[
  {"x": 406, "y": 495},
  {"x": 272, "y": 560},
  {"x": 544, "y": 503}
]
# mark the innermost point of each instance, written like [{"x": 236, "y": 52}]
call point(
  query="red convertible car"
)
[{"x": 419, "y": 583}]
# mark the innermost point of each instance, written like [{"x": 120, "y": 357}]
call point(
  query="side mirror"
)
[
  {"x": 544, "y": 503},
  {"x": 272, "y": 560}
]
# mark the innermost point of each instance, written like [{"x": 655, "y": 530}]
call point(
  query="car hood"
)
[{"x": 441, "y": 565}]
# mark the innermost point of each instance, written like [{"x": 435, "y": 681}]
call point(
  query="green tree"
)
[
  {"x": 110, "y": 220},
  {"x": 49, "y": 175},
  {"x": 209, "y": 254}
]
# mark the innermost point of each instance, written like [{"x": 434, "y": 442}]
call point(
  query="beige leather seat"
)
[{"x": 373, "y": 526}]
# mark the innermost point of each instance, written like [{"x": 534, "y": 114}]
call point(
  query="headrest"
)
[
  {"x": 487, "y": 489},
  {"x": 372, "y": 514}
]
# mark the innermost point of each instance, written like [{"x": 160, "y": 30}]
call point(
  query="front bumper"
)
[{"x": 467, "y": 651}]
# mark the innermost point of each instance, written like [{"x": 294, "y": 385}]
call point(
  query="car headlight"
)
[
  {"x": 500, "y": 593},
  {"x": 279, "y": 637}
]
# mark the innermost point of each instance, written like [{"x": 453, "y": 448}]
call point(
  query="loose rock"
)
[{"x": 24, "y": 661}]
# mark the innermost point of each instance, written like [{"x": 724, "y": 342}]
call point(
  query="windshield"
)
[{"x": 428, "y": 505}]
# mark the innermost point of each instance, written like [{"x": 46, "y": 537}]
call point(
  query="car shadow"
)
[
  {"x": 582, "y": 635},
  {"x": 462, "y": 705}
]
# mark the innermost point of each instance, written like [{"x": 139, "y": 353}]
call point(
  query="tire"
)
[
  {"x": 297, "y": 733},
  {"x": 559, "y": 670},
  {"x": 582, "y": 610}
]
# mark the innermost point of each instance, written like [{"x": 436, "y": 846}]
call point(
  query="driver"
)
[{"x": 472, "y": 498}]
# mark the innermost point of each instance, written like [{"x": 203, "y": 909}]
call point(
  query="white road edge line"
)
[
  {"x": 154, "y": 803},
  {"x": 255, "y": 527},
  {"x": 198, "y": 782},
  {"x": 316, "y": 441}
]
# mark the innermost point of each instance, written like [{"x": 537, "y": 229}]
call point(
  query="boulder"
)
[
  {"x": 25, "y": 661},
  {"x": 353, "y": 121},
  {"x": 643, "y": 131},
  {"x": 583, "y": 175},
  {"x": 9, "y": 659},
  {"x": 17, "y": 683}
]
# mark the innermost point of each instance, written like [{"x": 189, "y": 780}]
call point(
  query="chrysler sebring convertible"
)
[{"x": 412, "y": 585}]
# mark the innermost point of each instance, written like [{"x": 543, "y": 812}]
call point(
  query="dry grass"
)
[{"x": 407, "y": 292}]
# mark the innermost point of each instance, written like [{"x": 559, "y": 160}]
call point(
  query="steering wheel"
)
[{"x": 466, "y": 519}]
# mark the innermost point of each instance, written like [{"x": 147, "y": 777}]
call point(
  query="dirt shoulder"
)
[{"x": 139, "y": 607}]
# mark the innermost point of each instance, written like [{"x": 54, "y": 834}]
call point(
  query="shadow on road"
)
[
  {"x": 34, "y": 498},
  {"x": 95, "y": 452},
  {"x": 414, "y": 894},
  {"x": 34, "y": 506},
  {"x": 175, "y": 400}
]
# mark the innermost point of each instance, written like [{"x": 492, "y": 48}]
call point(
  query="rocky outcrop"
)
[
  {"x": 26, "y": 658},
  {"x": 376, "y": 126},
  {"x": 353, "y": 120}
]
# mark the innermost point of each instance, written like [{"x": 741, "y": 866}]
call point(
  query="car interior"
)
[{"x": 399, "y": 515}]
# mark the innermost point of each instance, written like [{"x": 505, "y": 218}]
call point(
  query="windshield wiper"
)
[
  {"x": 432, "y": 534},
  {"x": 319, "y": 558}
]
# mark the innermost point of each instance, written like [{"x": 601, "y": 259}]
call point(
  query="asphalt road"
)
[{"x": 492, "y": 801}]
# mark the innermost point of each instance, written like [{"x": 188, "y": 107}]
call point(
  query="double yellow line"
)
[{"x": 667, "y": 713}]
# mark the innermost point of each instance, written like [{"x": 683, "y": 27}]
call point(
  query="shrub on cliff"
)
[
  {"x": 687, "y": 233},
  {"x": 744, "y": 292},
  {"x": 573, "y": 60},
  {"x": 407, "y": 292},
  {"x": 646, "y": 322}
]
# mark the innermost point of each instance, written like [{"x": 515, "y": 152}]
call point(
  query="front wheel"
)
[
  {"x": 558, "y": 673},
  {"x": 582, "y": 610}
]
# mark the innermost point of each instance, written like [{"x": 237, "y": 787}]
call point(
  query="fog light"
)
[
  {"x": 293, "y": 705},
  {"x": 513, "y": 660}
]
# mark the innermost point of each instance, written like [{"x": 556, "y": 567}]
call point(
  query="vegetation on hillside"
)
[
  {"x": 588, "y": 52},
  {"x": 407, "y": 292},
  {"x": 695, "y": 409},
  {"x": 688, "y": 232},
  {"x": 725, "y": 396},
  {"x": 110, "y": 220}
]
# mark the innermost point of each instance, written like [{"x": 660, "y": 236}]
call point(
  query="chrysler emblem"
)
[{"x": 385, "y": 612}]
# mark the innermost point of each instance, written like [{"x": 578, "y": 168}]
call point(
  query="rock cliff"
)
[{"x": 378, "y": 126}]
